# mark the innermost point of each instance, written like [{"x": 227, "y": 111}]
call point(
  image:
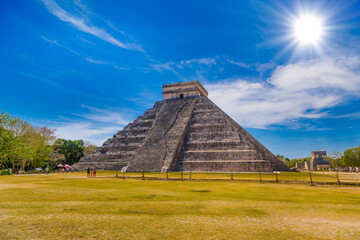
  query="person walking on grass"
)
[
  {"x": 94, "y": 173},
  {"x": 88, "y": 172}
]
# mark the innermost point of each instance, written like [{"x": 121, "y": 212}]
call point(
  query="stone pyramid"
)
[{"x": 185, "y": 131}]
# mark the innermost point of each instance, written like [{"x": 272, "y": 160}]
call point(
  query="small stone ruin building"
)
[
  {"x": 185, "y": 131},
  {"x": 318, "y": 161},
  {"x": 302, "y": 165}
]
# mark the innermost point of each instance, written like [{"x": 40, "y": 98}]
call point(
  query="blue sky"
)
[{"x": 87, "y": 68}]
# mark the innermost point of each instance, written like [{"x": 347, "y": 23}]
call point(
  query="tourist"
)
[
  {"x": 88, "y": 172},
  {"x": 94, "y": 173},
  {"x": 47, "y": 170}
]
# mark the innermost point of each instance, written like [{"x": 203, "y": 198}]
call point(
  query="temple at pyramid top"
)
[
  {"x": 185, "y": 131},
  {"x": 183, "y": 90}
]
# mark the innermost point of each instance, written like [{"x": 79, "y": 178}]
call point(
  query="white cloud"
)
[
  {"x": 96, "y": 125},
  {"x": 241, "y": 64},
  {"x": 178, "y": 65},
  {"x": 301, "y": 90},
  {"x": 204, "y": 61},
  {"x": 88, "y": 59},
  {"x": 86, "y": 131},
  {"x": 81, "y": 25}
]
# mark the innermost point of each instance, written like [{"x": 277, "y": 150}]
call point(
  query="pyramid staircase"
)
[{"x": 185, "y": 131}]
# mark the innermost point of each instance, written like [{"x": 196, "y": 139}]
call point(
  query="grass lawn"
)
[{"x": 72, "y": 206}]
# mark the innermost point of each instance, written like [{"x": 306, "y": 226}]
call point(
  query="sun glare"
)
[{"x": 308, "y": 29}]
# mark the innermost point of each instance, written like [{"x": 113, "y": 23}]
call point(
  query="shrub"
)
[{"x": 5, "y": 172}]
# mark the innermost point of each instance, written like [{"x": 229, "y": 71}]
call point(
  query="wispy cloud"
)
[
  {"x": 306, "y": 89},
  {"x": 88, "y": 59},
  {"x": 174, "y": 66},
  {"x": 61, "y": 46},
  {"x": 82, "y": 25},
  {"x": 95, "y": 125},
  {"x": 241, "y": 64}
]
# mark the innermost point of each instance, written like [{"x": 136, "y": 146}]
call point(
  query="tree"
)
[
  {"x": 351, "y": 157},
  {"x": 72, "y": 150},
  {"x": 89, "y": 148},
  {"x": 283, "y": 158},
  {"x": 293, "y": 161},
  {"x": 335, "y": 158},
  {"x": 22, "y": 145}
]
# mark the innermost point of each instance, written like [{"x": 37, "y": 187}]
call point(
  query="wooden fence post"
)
[
  {"x": 337, "y": 173},
  {"x": 311, "y": 181},
  {"x": 143, "y": 175},
  {"x": 260, "y": 176}
]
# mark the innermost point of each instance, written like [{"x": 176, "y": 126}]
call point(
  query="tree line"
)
[
  {"x": 25, "y": 147},
  {"x": 349, "y": 158}
]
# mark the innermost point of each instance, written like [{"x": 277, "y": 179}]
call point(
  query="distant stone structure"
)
[
  {"x": 318, "y": 161},
  {"x": 185, "y": 131},
  {"x": 302, "y": 165}
]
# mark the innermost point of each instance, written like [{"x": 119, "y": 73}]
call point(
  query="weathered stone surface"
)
[
  {"x": 162, "y": 146},
  {"x": 116, "y": 152},
  {"x": 215, "y": 142},
  {"x": 318, "y": 160},
  {"x": 185, "y": 131}
]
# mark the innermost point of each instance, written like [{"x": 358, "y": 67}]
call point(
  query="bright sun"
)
[{"x": 308, "y": 30}]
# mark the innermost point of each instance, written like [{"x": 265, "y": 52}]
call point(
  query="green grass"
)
[
  {"x": 72, "y": 206},
  {"x": 318, "y": 177}
]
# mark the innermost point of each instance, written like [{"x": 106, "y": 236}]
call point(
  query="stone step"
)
[
  {"x": 148, "y": 117},
  {"x": 226, "y": 166},
  {"x": 205, "y": 114},
  {"x": 136, "y": 131},
  {"x": 140, "y": 124},
  {"x": 224, "y": 161},
  {"x": 103, "y": 154},
  {"x": 206, "y": 111},
  {"x": 128, "y": 140},
  {"x": 204, "y": 106},
  {"x": 209, "y": 120},
  {"x": 219, "y": 155},
  {"x": 143, "y": 119},
  {"x": 210, "y": 128},
  {"x": 215, "y": 145},
  {"x": 212, "y": 135},
  {"x": 120, "y": 148},
  {"x": 102, "y": 165},
  {"x": 126, "y": 135},
  {"x": 123, "y": 141}
]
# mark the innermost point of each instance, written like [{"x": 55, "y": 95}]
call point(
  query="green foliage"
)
[
  {"x": 293, "y": 162},
  {"x": 72, "y": 150},
  {"x": 283, "y": 158},
  {"x": 23, "y": 146},
  {"x": 351, "y": 157},
  {"x": 89, "y": 148},
  {"x": 5, "y": 172}
]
